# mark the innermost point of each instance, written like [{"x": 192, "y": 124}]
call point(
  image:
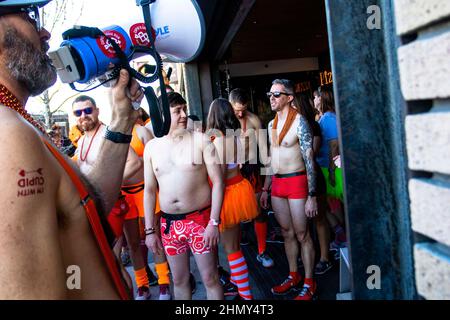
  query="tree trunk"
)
[{"x": 47, "y": 112}]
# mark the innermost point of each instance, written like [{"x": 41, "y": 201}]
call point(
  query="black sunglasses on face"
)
[
  {"x": 78, "y": 113},
  {"x": 31, "y": 14},
  {"x": 276, "y": 94}
]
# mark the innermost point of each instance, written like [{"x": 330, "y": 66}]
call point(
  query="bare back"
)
[{"x": 44, "y": 227}]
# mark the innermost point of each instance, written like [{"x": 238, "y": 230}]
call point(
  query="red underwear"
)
[{"x": 290, "y": 186}]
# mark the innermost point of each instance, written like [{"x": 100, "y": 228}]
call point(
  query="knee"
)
[
  {"x": 211, "y": 279},
  {"x": 302, "y": 236},
  {"x": 180, "y": 280},
  {"x": 288, "y": 234}
]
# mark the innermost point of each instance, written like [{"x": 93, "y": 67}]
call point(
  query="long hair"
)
[
  {"x": 327, "y": 100},
  {"x": 304, "y": 107},
  {"x": 221, "y": 116}
]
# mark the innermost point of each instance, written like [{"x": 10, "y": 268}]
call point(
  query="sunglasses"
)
[
  {"x": 30, "y": 13},
  {"x": 78, "y": 113},
  {"x": 276, "y": 94}
]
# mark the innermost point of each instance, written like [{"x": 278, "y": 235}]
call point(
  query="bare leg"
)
[
  {"x": 230, "y": 239},
  {"x": 131, "y": 231},
  {"x": 179, "y": 267},
  {"x": 283, "y": 216},
  {"x": 126, "y": 276},
  {"x": 300, "y": 223},
  {"x": 323, "y": 229},
  {"x": 207, "y": 266}
]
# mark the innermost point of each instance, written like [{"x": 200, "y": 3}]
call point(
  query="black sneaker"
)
[
  {"x": 224, "y": 276},
  {"x": 152, "y": 279},
  {"x": 230, "y": 290},
  {"x": 322, "y": 267},
  {"x": 125, "y": 256},
  {"x": 193, "y": 283}
]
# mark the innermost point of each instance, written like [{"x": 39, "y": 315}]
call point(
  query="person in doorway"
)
[
  {"x": 294, "y": 186},
  {"x": 251, "y": 169}
]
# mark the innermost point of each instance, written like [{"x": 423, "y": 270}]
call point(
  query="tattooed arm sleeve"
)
[{"x": 305, "y": 137}]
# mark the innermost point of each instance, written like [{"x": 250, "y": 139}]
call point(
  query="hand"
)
[
  {"x": 264, "y": 199},
  {"x": 122, "y": 95},
  {"x": 211, "y": 236},
  {"x": 153, "y": 243},
  {"x": 332, "y": 177},
  {"x": 311, "y": 207}
]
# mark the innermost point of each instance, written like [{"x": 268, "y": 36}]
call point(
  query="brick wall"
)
[{"x": 424, "y": 62}]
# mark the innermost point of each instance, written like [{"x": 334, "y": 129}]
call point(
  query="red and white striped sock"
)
[{"x": 239, "y": 274}]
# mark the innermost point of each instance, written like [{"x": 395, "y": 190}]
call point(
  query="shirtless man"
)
[
  {"x": 293, "y": 185},
  {"x": 251, "y": 127},
  {"x": 86, "y": 111},
  {"x": 180, "y": 163},
  {"x": 46, "y": 235}
]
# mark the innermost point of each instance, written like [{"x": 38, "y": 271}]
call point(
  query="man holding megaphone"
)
[{"x": 48, "y": 206}]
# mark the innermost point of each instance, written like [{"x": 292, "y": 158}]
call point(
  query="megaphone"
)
[{"x": 178, "y": 33}]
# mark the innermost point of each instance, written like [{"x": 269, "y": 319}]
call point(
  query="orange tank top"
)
[{"x": 137, "y": 144}]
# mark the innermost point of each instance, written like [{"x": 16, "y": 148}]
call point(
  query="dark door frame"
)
[{"x": 371, "y": 113}]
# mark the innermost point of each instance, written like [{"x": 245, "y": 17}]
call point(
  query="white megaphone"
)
[
  {"x": 178, "y": 33},
  {"x": 178, "y": 28}
]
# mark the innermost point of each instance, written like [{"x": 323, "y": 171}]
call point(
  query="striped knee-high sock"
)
[{"x": 239, "y": 274}]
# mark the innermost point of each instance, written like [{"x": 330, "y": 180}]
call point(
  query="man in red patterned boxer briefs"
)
[{"x": 179, "y": 164}]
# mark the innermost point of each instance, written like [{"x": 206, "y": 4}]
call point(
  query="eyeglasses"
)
[
  {"x": 78, "y": 113},
  {"x": 276, "y": 94},
  {"x": 31, "y": 14}
]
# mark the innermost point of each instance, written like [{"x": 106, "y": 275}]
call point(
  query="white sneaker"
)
[
  {"x": 265, "y": 260},
  {"x": 143, "y": 293},
  {"x": 164, "y": 292}
]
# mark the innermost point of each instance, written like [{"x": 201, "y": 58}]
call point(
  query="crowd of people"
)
[{"x": 185, "y": 193}]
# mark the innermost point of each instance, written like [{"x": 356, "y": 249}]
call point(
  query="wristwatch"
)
[
  {"x": 214, "y": 222},
  {"x": 117, "y": 137}
]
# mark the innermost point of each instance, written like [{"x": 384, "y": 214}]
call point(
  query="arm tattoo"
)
[{"x": 305, "y": 138}]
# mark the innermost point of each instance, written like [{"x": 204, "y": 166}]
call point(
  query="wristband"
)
[
  {"x": 149, "y": 231},
  {"x": 117, "y": 137}
]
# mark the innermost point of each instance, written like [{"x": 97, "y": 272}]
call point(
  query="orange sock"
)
[
  {"x": 162, "y": 269},
  {"x": 141, "y": 277},
  {"x": 261, "y": 235}
]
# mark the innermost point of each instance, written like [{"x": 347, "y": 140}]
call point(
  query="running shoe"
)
[
  {"x": 143, "y": 293},
  {"x": 265, "y": 260},
  {"x": 307, "y": 293},
  {"x": 164, "y": 292},
  {"x": 152, "y": 279},
  {"x": 125, "y": 256},
  {"x": 230, "y": 290},
  {"x": 322, "y": 267},
  {"x": 193, "y": 283},
  {"x": 287, "y": 286},
  {"x": 224, "y": 276}
]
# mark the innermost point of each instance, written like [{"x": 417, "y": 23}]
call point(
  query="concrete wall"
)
[{"x": 424, "y": 62}]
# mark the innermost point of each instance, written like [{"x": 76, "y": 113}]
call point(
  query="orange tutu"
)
[{"x": 239, "y": 202}]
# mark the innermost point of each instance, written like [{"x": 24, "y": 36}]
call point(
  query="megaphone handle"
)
[{"x": 136, "y": 104}]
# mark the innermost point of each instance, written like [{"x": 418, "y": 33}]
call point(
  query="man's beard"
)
[
  {"x": 88, "y": 125},
  {"x": 29, "y": 66}
]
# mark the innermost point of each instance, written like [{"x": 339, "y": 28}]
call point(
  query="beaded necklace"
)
[
  {"x": 10, "y": 101},
  {"x": 90, "y": 144}
]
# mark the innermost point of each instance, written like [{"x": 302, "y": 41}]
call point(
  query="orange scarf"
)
[{"x": 287, "y": 125}]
